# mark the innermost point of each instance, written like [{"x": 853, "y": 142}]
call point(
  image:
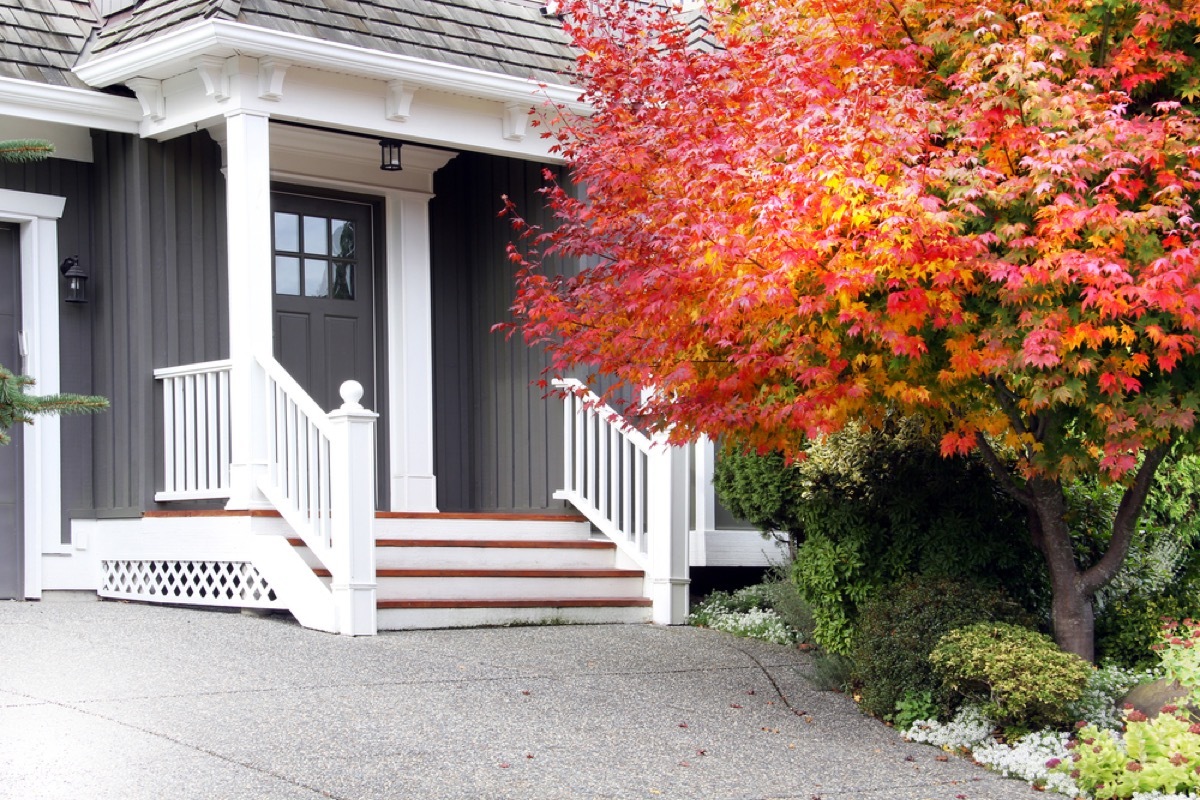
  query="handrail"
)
[
  {"x": 298, "y": 478},
  {"x": 633, "y": 489},
  {"x": 196, "y": 439}
]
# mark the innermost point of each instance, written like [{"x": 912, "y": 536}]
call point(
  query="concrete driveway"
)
[{"x": 124, "y": 701}]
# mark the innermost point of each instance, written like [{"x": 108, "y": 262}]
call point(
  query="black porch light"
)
[
  {"x": 389, "y": 155},
  {"x": 76, "y": 279}
]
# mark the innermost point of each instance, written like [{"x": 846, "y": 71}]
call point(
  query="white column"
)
[
  {"x": 352, "y": 499},
  {"x": 248, "y": 201},
  {"x": 705, "y": 505},
  {"x": 410, "y": 304},
  {"x": 666, "y": 535}
]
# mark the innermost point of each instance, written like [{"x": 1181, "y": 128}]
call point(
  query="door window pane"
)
[
  {"x": 316, "y": 235},
  {"x": 287, "y": 231},
  {"x": 316, "y": 277},
  {"x": 343, "y": 238},
  {"x": 287, "y": 275},
  {"x": 343, "y": 281}
]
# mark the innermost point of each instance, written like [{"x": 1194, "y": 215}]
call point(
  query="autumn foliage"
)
[{"x": 801, "y": 213}]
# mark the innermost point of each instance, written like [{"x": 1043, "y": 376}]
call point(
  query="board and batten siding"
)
[
  {"x": 158, "y": 293},
  {"x": 497, "y": 441},
  {"x": 71, "y": 180}
]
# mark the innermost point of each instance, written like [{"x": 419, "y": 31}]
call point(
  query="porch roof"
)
[
  {"x": 42, "y": 39},
  {"x": 509, "y": 37}
]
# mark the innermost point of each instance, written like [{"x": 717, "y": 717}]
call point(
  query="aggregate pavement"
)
[{"x": 121, "y": 701}]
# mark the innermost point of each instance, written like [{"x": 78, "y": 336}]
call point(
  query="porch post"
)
[
  {"x": 248, "y": 205},
  {"x": 352, "y": 500},
  {"x": 667, "y": 532},
  {"x": 705, "y": 501}
]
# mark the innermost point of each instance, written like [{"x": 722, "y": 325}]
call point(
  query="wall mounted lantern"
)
[
  {"x": 389, "y": 155},
  {"x": 76, "y": 279}
]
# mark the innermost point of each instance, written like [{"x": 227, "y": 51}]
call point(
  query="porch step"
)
[
  {"x": 422, "y": 614},
  {"x": 435, "y": 576}
]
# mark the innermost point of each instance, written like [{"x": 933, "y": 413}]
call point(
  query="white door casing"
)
[{"x": 38, "y": 215}]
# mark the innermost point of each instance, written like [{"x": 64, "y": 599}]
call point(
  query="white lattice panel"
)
[{"x": 198, "y": 583}]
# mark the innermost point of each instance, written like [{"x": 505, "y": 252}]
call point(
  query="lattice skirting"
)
[{"x": 235, "y": 584}]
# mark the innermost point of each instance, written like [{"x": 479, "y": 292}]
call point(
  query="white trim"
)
[
  {"x": 70, "y": 106},
  {"x": 38, "y": 215},
  {"x": 173, "y": 53}
]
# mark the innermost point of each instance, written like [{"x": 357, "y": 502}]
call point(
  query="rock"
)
[{"x": 1149, "y": 698}]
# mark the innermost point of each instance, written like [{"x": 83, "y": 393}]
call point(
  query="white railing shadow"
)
[{"x": 633, "y": 489}]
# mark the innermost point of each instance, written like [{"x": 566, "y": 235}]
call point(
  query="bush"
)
[
  {"x": 900, "y": 626},
  {"x": 785, "y": 599},
  {"x": 867, "y": 508},
  {"x": 1020, "y": 676}
]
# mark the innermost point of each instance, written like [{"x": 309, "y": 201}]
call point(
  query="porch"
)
[{"x": 316, "y": 546}]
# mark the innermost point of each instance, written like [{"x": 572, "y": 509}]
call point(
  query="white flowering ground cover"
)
[{"x": 1031, "y": 758}]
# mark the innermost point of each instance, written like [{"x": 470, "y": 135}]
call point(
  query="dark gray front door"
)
[
  {"x": 324, "y": 281},
  {"x": 12, "y": 531}
]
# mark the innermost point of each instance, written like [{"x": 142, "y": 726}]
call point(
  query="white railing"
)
[
  {"x": 320, "y": 476},
  {"x": 632, "y": 488},
  {"x": 316, "y": 469},
  {"x": 195, "y": 431}
]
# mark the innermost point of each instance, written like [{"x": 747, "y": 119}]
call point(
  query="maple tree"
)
[{"x": 805, "y": 212}]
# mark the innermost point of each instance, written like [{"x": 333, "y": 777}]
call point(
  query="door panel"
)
[
  {"x": 324, "y": 303},
  {"x": 11, "y": 486}
]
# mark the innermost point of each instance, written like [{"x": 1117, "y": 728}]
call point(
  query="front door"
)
[
  {"x": 324, "y": 288},
  {"x": 12, "y": 529}
]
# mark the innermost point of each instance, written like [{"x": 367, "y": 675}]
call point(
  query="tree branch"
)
[
  {"x": 1002, "y": 474},
  {"x": 1124, "y": 523}
]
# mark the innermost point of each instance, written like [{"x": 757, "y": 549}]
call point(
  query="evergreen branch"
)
[{"x": 24, "y": 151}]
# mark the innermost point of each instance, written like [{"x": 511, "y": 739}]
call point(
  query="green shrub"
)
[
  {"x": 1020, "y": 676},
  {"x": 914, "y": 707},
  {"x": 832, "y": 672},
  {"x": 901, "y": 625},
  {"x": 869, "y": 507},
  {"x": 784, "y": 597}
]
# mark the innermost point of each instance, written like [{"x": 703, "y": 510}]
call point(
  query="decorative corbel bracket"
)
[
  {"x": 399, "y": 100},
  {"x": 150, "y": 94},
  {"x": 516, "y": 121},
  {"x": 213, "y": 72},
  {"x": 271, "y": 72}
]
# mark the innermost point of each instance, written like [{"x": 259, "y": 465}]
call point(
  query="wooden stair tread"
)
[
  {"x": 565, "y": 602},
  {"x": 516, "y": 544},
  {"x": 529, "y": 544},
  {"x": 501, "y": 573}
]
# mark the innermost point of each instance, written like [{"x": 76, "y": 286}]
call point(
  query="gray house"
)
[{"x": 285, "y": 216}]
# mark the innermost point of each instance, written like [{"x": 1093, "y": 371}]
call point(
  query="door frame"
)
[
  {"x": 37, "y": 216},
  {"x": 379, "y": 309}
]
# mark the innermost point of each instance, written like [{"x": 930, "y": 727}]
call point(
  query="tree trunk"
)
[
  {"x": 1072, "y": 616},
  {"x": 1072, "y": 612}
]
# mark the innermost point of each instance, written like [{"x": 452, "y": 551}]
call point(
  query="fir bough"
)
[
  {"x": 17, "y": 406},
  {"x": 21, "y": 151}
]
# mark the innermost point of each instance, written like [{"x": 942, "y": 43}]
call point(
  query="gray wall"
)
[
  {"x": 72, "y": 180},
  {"x": 159, "y": 296},
  {"x": 498, "y": 443}
]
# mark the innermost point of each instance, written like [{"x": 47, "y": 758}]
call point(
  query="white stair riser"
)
[
  {"x": 492, "y": 558},
  {"x": 450, "y": 588},
  {"x": 529, "y": 530},
  {"x": 396, "y": 619},
  {"x": 485, "y": 558}
]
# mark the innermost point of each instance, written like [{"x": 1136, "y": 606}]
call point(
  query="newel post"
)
[
  {"x": 352, "y": 505},
  {"x": 667, "y": 532}
]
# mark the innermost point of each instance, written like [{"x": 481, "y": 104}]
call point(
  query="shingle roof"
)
[
  {"x": 41, "y": 39},
  {"x": 506, "y": 36}
]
